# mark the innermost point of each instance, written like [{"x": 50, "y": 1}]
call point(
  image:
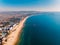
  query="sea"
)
[{"x": 41, "y": 29}]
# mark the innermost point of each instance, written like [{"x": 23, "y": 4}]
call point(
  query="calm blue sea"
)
[{"x": 41, "y": 29}]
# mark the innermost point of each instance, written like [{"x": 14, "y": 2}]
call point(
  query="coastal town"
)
[
  {"x": 9, "y": 23},
  {"x": 6, "y": 27}
]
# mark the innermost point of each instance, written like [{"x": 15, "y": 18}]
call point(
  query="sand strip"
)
[{"x": 13, "y": 37}]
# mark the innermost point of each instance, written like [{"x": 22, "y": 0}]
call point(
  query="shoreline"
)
[
  {"x": 14, "y": 36},
  {"x": 21, "y": 30}
]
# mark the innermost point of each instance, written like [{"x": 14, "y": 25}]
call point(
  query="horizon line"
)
[{"x": 30, "y": 10}]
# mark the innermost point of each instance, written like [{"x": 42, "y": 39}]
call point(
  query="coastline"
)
[
  {"x": 14, "y": 36},
  {"x": 21, "y": 30}
]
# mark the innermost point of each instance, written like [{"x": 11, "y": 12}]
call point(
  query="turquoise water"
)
[{"x": 41, "y": 29}]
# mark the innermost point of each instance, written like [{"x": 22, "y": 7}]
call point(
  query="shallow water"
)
[{"x": 41, "y": 29}]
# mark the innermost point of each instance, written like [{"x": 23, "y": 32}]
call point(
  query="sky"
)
[{"x": 29, "y": 5}]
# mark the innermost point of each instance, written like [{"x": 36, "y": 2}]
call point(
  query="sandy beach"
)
[{"x": 15, "y": 32}]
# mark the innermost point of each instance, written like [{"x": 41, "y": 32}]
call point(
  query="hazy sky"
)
[{"x": 26, "y": 5}]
